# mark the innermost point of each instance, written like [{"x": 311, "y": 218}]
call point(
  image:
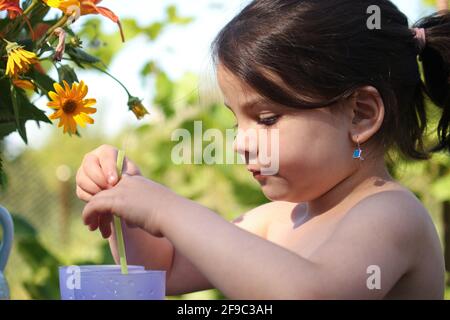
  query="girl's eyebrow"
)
[{"x": 250, "y": 104}]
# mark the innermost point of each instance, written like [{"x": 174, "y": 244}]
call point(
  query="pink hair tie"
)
[{"x": 420, "y": 37}]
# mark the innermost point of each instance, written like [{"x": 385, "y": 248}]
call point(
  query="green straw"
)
[{"x": 118, "y": 222}]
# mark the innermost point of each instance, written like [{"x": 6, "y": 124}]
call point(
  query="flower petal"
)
[
  {"x": 72, "y": 125},
  {"x": 66, "y": 86},
  {"x": 10, "y": 68},
  {"x": 28, "y": 54},
  {"x": 56, "y": 115},
  {"x": 16, "y": 59},
  {"x": 54, "y": 96},
  {"x": 88, "y": 110},
  {"x": 107, "y": 13},
  {"x": 59, "y": 89},
  {"x": 86, "y": 118},
  {"x": 78, "y": 119},
  {"x": 89, "y": 102},
  {"x": 83, "y": 90}
]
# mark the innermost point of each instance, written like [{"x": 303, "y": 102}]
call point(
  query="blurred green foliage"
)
[
  {"x": 105, "y": 46},
  {"x": 149, "y": 145},
  {"x": 431, "y": 3},
  {"x": 33, "y": 192}
]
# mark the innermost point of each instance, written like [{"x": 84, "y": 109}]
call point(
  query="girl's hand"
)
[
  {"x": 98, "y": 171},
  {"x": 137, "y": 200}
]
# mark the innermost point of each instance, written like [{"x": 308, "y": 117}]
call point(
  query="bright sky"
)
[{"x": 189, "y": 51}]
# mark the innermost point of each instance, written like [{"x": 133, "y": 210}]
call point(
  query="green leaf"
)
[
  {"x": 149, "y": 68},
  {"x": 36, "y": 254},
  {"x": 17, "y": 105},
  {"x": 67, "y": 73},
  {"x": 131, "y": 27},
  {"x": 104, "y": 46},
  {"x": 23, "y": 110},
  {"x": 31, "y": 112},
  {"x": 22, "y": 228},
  {"x": 3, "y": 23},
  {"x": 81, "y": 56},
  {"x": 39, "y": 12},
  {"x": 154, "y": 30},
  {"x": 6, "y": 128},
  {"x": 28, "y": 110},
  {"x": 3, "y": 177},
  {"x": 173, "y": 17},
  {"x": 5, "y": 97},
  {"x": 43, "y": 81}
]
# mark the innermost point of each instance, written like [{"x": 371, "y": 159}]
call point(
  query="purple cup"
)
[{"x": 106, "y": 282}]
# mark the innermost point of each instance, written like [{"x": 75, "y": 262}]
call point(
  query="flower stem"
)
[
  {"x": 60, "y": 23},
  {"x": 30, "y": 7},
  {"x": 114, "y": 78}
]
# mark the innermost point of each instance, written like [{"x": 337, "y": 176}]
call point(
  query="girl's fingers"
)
[
  {"x": 130, "y": 168},
  {"x": 98, "y": 205},
  {"x": 93, "y": 171},
  {"x": 86, "y": 183},
  {"x": 83, "y": 195},
  {"x": 105, "y": 225},
  {"x": 93, "y": 226},
  {"x": 107, "y": 156}
]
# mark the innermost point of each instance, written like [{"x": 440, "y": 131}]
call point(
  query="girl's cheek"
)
[{"x": 297, "y": 149}]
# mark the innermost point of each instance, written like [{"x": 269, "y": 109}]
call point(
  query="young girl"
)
[{"x": 342, "y": 94}]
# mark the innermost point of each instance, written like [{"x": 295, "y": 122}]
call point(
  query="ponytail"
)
[{"x": 435, "y": 57}]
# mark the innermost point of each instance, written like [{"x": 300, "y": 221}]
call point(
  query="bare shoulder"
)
[
  {"x": 257, "y": 219},
  {"x": 395, "y": 214},
  {"x": 398, "y": 224},
  {"x": 399, "y": 206}
]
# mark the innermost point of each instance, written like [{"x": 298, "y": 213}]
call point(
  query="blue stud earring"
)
[{"x": 358, "y": 151}]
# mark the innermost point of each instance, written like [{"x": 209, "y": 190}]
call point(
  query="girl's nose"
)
[{"x": 246, "y": 144}]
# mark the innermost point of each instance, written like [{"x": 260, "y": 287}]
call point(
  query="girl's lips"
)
[{"x": 257, "y": 175}]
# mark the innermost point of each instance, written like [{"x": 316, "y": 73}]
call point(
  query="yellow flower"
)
[
  {"x": 24, "y": 84},
  {"x": 19, "y": 59},
  {"x": 63, "y": 5},
  {"x": 72, "y": 108},
  {"x": 136, "y": 106}
]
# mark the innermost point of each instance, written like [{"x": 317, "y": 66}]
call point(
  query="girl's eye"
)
[{"x": 268, "y": 121}]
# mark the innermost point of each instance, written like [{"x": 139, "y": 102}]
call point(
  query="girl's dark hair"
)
[{"x": 322, "y": 51}]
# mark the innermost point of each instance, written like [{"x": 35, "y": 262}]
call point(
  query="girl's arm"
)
[
  {"x": 378, "y": 231},
  {"x": 159, "y": 254},
  {"x": 244, "y": 266}
]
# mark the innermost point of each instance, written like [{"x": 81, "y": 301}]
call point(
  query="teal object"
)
[
  {"x": 357, "y": 153},
  {"x": 5, "y": 248}
]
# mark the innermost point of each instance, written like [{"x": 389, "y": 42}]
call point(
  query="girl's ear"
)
[{"x": 367, "y": 113}]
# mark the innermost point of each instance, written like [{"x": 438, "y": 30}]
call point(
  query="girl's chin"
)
[{"x": 274, "y": 193}]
